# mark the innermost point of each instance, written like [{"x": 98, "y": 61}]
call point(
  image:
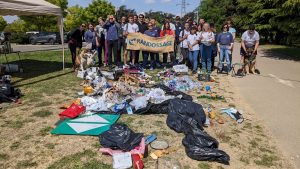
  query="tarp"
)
[
  {"x": 92, "y": 125},
  {"x": 138, "y": 41},
  {"x": 33, "y": 7}
]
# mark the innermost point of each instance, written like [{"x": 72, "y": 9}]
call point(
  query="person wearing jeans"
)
[
  {"x": 207, "y": 38},
  {"x": 152, "y": 33},
  {"x": 75, "y": 42},
  {"x": 193, "y": 44},
  {"x": 225, "y": 43},
  {"x": 113, "y": 30}
]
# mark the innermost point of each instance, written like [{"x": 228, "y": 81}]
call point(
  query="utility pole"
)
[{"x": 183, "y": 5}]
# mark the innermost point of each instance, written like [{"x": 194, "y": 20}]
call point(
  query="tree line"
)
[{"x": 276, "y": 20}]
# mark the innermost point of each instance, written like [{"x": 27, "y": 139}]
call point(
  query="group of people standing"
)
[{"x": 194, "y": 42}]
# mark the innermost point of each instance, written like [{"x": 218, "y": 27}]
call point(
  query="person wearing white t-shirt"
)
[
  {"x": 207, "y": 38},
  {"x": 184, "y": 49},
  {"x": 130, "y": 27},
  {"x": 250, "y": 39},
  {"x": 193, "y": 44}
]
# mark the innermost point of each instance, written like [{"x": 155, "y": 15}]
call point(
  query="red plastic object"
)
[
  {"x": 137, "y": 163},
  {"x": 72, "y": 112}
]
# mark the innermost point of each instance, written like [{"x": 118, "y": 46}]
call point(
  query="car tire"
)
[
  {"x": 52, "y": 41},
  {"x": 32, "y": 42}
]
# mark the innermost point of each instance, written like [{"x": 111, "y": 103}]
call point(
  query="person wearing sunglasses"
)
[
  {"x": 113, "y": 33},
  {"x": 152, "y": 33},
  {"x": 75, "y": 38},
  {"x": 224, "y": 43},
  {"x": 142, "y": 28}
]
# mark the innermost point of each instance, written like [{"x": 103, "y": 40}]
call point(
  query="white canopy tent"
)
[{"x": 34, "y": 7}]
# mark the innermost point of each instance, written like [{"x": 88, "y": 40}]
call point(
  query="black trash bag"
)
[
  {"x": 200, "y": 138},
  {"x": 168, "y": 91},
  {"x": 162, "y": 108},
  {"x": 120, "y": 137},
  {"x": 183, "y": 116},
  {"x": 207, "y": 154}
]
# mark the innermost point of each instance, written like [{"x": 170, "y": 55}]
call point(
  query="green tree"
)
[
  {"x": 46, "y": 23},
  {"x": 98, "y": 8},
  {"x": 74, "y": 18},
  {"x": 159, "y": 16},
  {"x": 16, "y": 26},
  {"x": 3, "y": 23},
  {"x": 123, "y": 11}
]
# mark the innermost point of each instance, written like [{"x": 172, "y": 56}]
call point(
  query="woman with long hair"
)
[
  {"x": 207, "y": 38},
  {"x": 167, "y": 31}
]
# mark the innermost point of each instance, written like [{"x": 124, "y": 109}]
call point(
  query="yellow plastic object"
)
[
  {"x": 88, "y": 90},
  {"x": 212, "y": 115},
  {"x": 77, "y": 101}
]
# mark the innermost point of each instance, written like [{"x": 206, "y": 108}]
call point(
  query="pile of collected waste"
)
[{"x": 108, "y": 95}]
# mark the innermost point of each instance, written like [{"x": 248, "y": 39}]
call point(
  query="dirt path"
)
[{"x": 275, "y": 96}]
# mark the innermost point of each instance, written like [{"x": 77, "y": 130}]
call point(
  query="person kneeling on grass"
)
[
  {"x": 193, "y": 45},
  {"x": 152, "y": 33},
  {"x": 225, "y": 43}
]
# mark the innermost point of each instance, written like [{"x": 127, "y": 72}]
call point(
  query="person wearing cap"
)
[
  {"x": 250, "y": 39},
  {"x": 75, "y": 38}
]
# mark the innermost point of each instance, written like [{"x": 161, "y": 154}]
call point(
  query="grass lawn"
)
[
  {"x": 26, "y": 141},
  {"x": 291, "y": 52}
]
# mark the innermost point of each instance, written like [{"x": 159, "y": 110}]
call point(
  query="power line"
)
[{"x": 183, "y": 5}]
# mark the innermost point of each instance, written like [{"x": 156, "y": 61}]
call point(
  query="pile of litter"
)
[{"x": 108, "y": 95}]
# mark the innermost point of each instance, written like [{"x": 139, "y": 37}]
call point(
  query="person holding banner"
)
[
  {"x": 167, "y": 31},
  {"x": 152, "y": 33},
  {"x": 130, "y": 27},
  {"x": 158, "y": 30},
  {"x": 193, "y": 44}
]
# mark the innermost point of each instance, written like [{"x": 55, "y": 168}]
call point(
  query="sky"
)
[{"x": 139, "y": 5}]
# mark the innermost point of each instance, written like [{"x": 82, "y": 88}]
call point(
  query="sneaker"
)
[{"x": 151, "y": 68}]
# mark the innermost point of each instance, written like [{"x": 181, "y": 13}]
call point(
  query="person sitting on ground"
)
[
  {"x": 193, "y": 44},
  {"x": 130, "y": 27},
  {"x": 225, "y": 43},
  {"x": 152, "y": 33},
  {"x": 250, "y": 41},
  {"x": 184, "y": 49},
  {"x": 167, "y": 31}
]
